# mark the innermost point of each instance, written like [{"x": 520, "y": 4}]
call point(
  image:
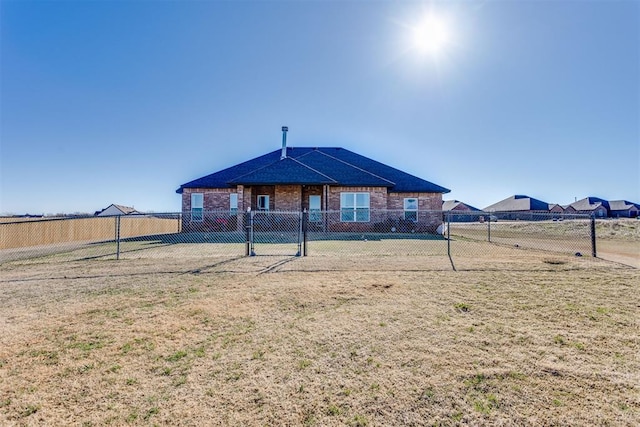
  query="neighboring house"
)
[
  {"x": 113, "y": 210},
  {"x": 312, "y": 179},
  {"x": 623, "y": 209},
  {"x": 461, "y": 212},
  {"x": 556, "y": 208},
  {"x": 591, "y": 206},
  {"x": 518, "y": 207},
  {"x": 456, "y": 205},
  {"x": 518, "y": 203}
]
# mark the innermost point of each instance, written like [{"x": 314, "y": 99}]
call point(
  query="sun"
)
[{"x": 431, "y": 35}]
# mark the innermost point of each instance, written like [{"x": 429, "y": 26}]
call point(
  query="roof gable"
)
[
  {"x": 589, "y": 204},
  {"x": 403, "y": 182},
  {"x": 221, "y": 178},
  {"x": 114, "y": 209},
  {"x": 315, "y": 166},
  {"x": 449, "y": 205},
  {"x": 518, "y": 202},
  {"x": 622, "y": 205},
  {"x": 283, "y": 171},
  {"x": 342, "y": 172}
]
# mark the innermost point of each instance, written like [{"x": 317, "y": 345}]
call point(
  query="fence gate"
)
[{"x": 274, "y": 233}]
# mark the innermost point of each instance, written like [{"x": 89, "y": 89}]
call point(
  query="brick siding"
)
[
  {"x": 288, "y": 198},
  {"x": 426, "y": 201},
  {"x": 296, "y": 198}
]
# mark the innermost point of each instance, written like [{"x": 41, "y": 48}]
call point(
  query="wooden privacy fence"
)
[{"x": 40, "y": 232}]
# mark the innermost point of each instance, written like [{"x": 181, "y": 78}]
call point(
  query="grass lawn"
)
[{"x": 512, "y": 337}]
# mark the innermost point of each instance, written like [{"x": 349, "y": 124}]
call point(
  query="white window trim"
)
[
  {"x": 266, "y": 197},
  {"x": 355, "y": 208},
  {"x": 233, "y": 203},
  {"x": 197, "y": 216},
  {"x": 406, "y": 210}
]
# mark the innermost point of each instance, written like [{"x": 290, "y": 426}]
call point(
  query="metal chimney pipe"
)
[{"x": 285, "y": 129}]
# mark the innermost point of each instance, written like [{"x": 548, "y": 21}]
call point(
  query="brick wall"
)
[
  {"x": 247, "y": 194},
  {"x": 262, "y": 190},
  {"x": 296, "y": 197},
  {"x": 426, "y": 201},
  {"x": 216, "y": 205},
  {"x": 215, "y": 199},
  {"x": 288, "y": 198},
  {"x": 241, "y": 198},
  {"x": 310, "y": 190}
]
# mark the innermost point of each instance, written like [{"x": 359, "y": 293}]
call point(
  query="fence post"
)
[
  {"x": 247, "y": 231},
  {"x": 245, "y": 223},
  {"x": 489, "y": 228},
  {"x": 449, "y": 240},
  {"x": 300, "y": 226},
  {"x": 593, "y": 236},
  {"x": 118, "y": 237},
  {"x": 305, "y": 229},
  {"x": 449, "y": 234},
  {"x": 251, "y": 234}
]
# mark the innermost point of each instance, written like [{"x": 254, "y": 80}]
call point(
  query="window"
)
[
  {"x": 354, "y": 207},
  {"x": 314, "y": 209},
  {"x": 197, "y": 206},
  {"x": 411, "y": 209},
  {"x": 233, "y": 203},
  {"x": 263, "y": 202}
]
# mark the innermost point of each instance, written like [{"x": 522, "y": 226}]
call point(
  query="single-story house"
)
[
  {"x": 461, "y": 212},
  {"x": 314, "y": 179},
  {"x": 591, "y": 206},
  {"x": 518, "y": 207},
  {"x": 457, "y": 205},
  {"x": 556, "y": 208},
  {"x": 114, "y": 209},
  {"x": 623, "y": 209}
]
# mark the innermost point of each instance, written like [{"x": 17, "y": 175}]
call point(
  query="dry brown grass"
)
[
  {"x": 617, "y": 239},
  {"x": 512, "y": 338}
]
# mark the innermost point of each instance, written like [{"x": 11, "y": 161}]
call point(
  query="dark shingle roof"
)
[
  {"x": 622, "y": 205},
  {"x": 518, "y": 203},
  {"x": 449, "y": 205},
  {"x": 126, "y": 210},
  {"x": 285, "y": 171},
  {"x": 315, "y": 166},
  {"x": 589, "y": 204},
  {"x": 341, "y": 171}
]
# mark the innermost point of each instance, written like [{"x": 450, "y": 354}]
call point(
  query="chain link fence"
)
[
  {"x": 341, "y": 236},
  {"x": 569, "y": 233}
]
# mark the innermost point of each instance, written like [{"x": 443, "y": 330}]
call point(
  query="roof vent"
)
[{"x": 285, "y": 129}]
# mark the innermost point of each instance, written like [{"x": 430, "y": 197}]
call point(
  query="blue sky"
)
[{"x": 123, "y": 101}]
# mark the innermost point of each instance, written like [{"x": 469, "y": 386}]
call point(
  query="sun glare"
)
[{"x": 432, "y": 35}]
